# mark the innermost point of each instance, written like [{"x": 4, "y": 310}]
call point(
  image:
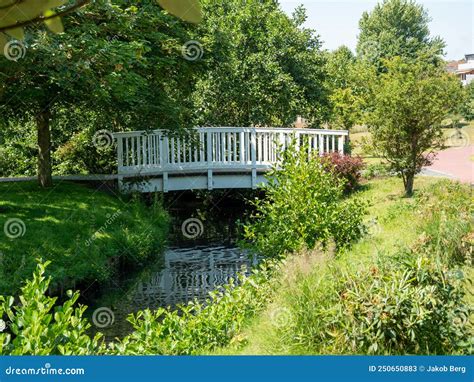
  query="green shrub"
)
[
  {"x": 80, "y": 155},
  {"x": 36, "y": 326},
  {"x": 376, "y": 170},
  {"x": 449, "y": 219},
  {"x": 412, "y": 305},
  {"x": 412, "y": 301},
  {"x": 467, "y": 109},
  {"x": 304, "y": 205}
]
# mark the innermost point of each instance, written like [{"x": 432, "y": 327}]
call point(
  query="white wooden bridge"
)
[{"x": 211, "y": 158}]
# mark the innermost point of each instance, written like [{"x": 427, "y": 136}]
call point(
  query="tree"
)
[
  {"x": 467, "y": 109},
  {"x": 123, "y": 62},
  {"x": 397, "y": 28},
  {"x": 262, "y": 67},
  {"x": 340, "y": 80},
  {"x": 409, "y": 102}
]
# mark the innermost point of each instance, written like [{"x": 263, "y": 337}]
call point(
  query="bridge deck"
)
[{"x": 210, "y": 158}]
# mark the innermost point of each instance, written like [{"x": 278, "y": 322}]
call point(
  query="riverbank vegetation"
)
[
  {"x": 401, "y": 289},
  {"x": 87, "y": 234}
]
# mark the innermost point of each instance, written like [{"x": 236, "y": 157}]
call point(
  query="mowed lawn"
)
[{"x": 85, "y": 232}]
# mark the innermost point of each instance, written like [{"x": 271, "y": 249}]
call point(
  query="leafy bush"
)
[
  {"x": 36, "y": 326},
  {"x": 80, "y": 155},
  {"x": 448, "y": 222},
  {"x": 467, "y": 109},
  {"x": 412, "y": 305},
  {"x": 304, "y": 205},
  {"x": 345, "y": 167},
  {"x": 411, "y": 301}
]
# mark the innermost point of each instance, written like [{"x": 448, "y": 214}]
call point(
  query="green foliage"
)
[
  {"x": 376, "y": 170},
  {"x": 449, "y": 222},
  {"x": 340, "y": 68},
  {"x": 409, "y": 305},
  {"x": 262, "y": 67},
  {"x": 304, "y": 206},
  {"x": 37, "y": 326},
  {"x": 409, "y": 102},
  {"x": 467, "y": 109},
  {"x": 109, "y": 66},
  {"x": 86, "y": 234},
  {"x": 17, "y": 15},
  {"x": 410, "y": 301},
  {"x": 397, "y": 28},
  {"x": 346, "y": 82},
  {"x": 18, "y": 151}
]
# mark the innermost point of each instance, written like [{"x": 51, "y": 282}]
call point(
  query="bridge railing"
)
[{"x": 233, "y": 148}]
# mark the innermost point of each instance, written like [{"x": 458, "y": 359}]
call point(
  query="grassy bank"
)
[
  {"x": 307, "y": 299},
  {"x": 399, "y": 290},
  {"x": 87, "y": 234}
]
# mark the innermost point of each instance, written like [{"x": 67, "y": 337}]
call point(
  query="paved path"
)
[{"x": 453, "y": 163}]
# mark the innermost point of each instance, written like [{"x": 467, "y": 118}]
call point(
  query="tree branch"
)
[{"x": 42, "y": 18}]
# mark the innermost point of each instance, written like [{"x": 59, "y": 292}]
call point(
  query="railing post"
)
[
  {"x": 341, "y": 144},
  {"x": 120, "y": 162},
  {"x": 165, "y": 161},
  {"x": 321, "y": 144},
  {"x": 209, "y": 160},
  {"x": 242, "y": 147},
  {"x": 253, "y": 156}
]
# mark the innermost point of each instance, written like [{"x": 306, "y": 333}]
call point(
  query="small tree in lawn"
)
[{"x": 408, "y": 103}]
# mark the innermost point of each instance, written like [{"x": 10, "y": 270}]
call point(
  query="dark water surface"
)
[{"x": 188, "y": 269}]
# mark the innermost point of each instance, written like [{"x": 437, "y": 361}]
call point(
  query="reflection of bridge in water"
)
[{"x": 191, "y": 273}]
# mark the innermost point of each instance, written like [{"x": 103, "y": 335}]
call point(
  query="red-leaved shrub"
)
[{"x": 346, "y": 167}]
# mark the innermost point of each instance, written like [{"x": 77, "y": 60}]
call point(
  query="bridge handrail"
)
[
  {"x": 249, "y": 149},
  {"x": 230, "y": 129}
]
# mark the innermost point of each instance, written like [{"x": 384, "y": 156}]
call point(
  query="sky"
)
[{"x": 337, "y": 22}]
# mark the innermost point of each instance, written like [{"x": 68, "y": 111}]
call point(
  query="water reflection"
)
[
  {"x": 183, "y": 274},
  {"x": 191, "y": 273}
]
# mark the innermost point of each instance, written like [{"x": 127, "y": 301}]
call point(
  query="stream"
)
[{"x": 201, "y": 257}]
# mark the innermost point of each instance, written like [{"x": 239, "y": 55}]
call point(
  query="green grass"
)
[
  {"x": 88, "y": 234},
  {"x": 398, "y": 224}
]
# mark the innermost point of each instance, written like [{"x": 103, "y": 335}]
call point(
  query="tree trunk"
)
[
  {"x": 410, "y": 178},
  {"x": 44, "y": 149}
]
